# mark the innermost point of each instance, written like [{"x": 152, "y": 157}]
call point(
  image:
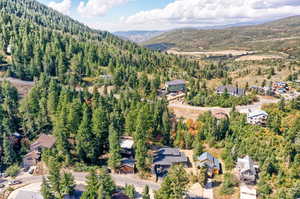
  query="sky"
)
[{"x": 124, "y": 15}]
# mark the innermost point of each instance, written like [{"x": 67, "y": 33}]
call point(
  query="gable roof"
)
[
  {"x": 246, "y": 164},
  {"x": 44, "y": 141},
  {"x": 257, "y": 113},
  {"x": 169, "y": 156},
  {"x": 207, "y": 156},
  {"x": 175, "y": 82},
  {"x": 126, "y": 143},
  {"x": 128, "y": 162},
  {"x": 33, "y": 154}
]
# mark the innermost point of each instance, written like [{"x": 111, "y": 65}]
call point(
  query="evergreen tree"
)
[
  {"x": 146, "y": 194},
  {"x": 85, "y": 143},
  {"x": 55, "y": 179},
  {"x": 140, "y": 137},
  {"x": 114, "y": 149},
  {"x": 100, "y": 127},
  {"x": 9, "y": 155},
  {"x": 46, "y": 190},
  {"x": 174, "y": 185},
  {"x": 67, "y": 184}
]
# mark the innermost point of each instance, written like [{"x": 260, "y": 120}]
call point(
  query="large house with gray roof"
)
[
  {"x": 246, "y": 169},
  {"x": 175, "y": 86},
  {"x": 166, "y": 157},
  {"x": 212, "y": 164},
  {"x": 231, "y": 90},
  {"x": 257, "y": 117}
]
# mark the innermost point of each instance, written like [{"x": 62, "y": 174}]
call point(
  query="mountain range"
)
[{"x": 279, "y": 35}]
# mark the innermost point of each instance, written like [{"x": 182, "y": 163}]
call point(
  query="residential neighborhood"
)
[{"x": 127, "y": 99}]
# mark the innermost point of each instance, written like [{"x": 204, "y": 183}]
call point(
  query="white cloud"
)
[
  {"x": 197, "y": 13},
  {"x": 63, "y": 7},
  {"x": 94, "y": 8}
]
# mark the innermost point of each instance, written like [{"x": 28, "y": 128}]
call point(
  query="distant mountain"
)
[
  {"x": 137, "y": 36},
  {"x": 279, "y": 35}
]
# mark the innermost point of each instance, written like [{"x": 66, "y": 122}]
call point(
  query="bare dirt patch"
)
[
  {"x": 258, "y": 57},
  {"x": 212, "y": 53}
]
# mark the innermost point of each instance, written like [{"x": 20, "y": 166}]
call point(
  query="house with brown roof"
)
[
  {"x": 33, "y": 157},
  {"x": 43, "y": 142}
]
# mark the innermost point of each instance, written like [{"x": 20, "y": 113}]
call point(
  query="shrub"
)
[
  {"x": 229, "y": 184},
  {"x": 13, "y": 170}
]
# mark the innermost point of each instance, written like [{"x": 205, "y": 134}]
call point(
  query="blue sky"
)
[{"x": 115, "y": 15}]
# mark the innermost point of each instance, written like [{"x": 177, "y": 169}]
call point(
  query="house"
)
[
  {"x": 127, "y": 166},
  {"x": 257, "y": 117},
  {"x": 175, "y": 86},
  {"x": 31, "y": 159},
  {"x": 231, "y": 90},
  {"x": 127, "y": 146},
  {"x": 268, "y": 91},
  {"x": 44, "y": 141},
  {"x": 246, "y": 169},
  {"x": 166, "y": 157},
  {"x": 213, "y": 164},
  {"x": 277, "y": 85}
]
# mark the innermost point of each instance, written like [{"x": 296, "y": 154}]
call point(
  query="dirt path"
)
[
  {"x": 23, "y": 87},
  {"x": 193, "y": 112}
]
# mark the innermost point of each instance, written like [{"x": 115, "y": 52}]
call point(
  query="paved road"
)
[{"x": 120, "y": 180}]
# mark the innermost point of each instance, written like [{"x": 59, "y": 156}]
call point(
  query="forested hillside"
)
[{"x": 42, "y": 40}]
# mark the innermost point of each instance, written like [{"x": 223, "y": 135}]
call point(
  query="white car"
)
[{"x": 15, "y": 182}]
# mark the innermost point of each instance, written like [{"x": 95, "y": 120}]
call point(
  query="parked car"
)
[
  {"x": 4, "y": 175},
  {"x": 15, "y": 182},
  {"x": 2, "y": 186}
]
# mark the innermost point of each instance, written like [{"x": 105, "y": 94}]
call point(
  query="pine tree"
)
[
  {"x": 174, "y": 185},
  {"x": 92, "y": 186},
  {"x": 85, "y": 146},
  {"x": 140, "y": 136},
  {"x": 67, "y": 184},
  {"x": 146, "y": 194},
  {"x": 114, "y": 149},
  {"x": 198, "y": 148},
  {"x": 46, "y": 190},
  {"x": 55, "y": 178},
  {"x": 100, "y": 126},
  {"x": 9, "y": 155},
  {"x": 130, "y": 191}
]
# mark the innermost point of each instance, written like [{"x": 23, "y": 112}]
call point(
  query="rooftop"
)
[
  {"x": 207, "y": 156},
  {"x": 46, "y": 141},
  {"x": 257, "y": 113},
  {"x": 169, "y": 156},
  {"x": 175, "y": 82},
  {"x": 127, "y": 162},
  {"x": 126, "y": 143},
  {"x": 246, "y": 164},
  {"x": 231, "y": 90}
]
